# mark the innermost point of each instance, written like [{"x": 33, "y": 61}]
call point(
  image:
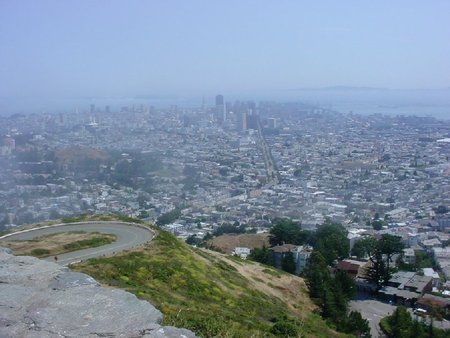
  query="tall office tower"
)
[
  {"x": 242, "y": 121},
  {"x": 219, "y": 100},
  {"x": 252, "y": 120},
  {"x": 272, "y": 122},
  {"x": 203, "y": 105},
  {"x": 220, "y": 109},
  {"x": 107, "y": 109},
  {"x": 92, "y": 109}
]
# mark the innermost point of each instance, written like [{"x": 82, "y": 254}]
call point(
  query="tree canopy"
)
[
  {"x": 331, "y": 241},
  {"x": 401, "y": 325},
  {"x": 262, "y": 255},
  {"x": 332, "y": 293},
  {"x": 168, "y": 217},
  {"x": 287, "y": 231},
  {"x": 380, "y": 254}
]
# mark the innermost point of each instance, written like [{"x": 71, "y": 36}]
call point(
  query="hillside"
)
[
  {"x": 227, "y": 242},
  {"x": 209, "y": 293}
]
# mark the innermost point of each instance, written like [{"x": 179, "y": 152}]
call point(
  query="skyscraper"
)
[
  {"x": 220, "y": 109},
  {"x": 219, "y": 100},
  {"x": 242, "y": 121}
]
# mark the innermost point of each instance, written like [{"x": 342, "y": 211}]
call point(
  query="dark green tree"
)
[
  {"x": 331, "y": 241},
  {"x": 168, "y": 217},
  {"x": 262, "y": 255},
  {"x": 377, "y": 224},
  {"x": 363, "y": 247},
  {"x": 344, "y": 284},
  {"x": 287, "y": 231},
  {"x": 380, "y": 254},
  {"x": 332, "y": 295},
  {"x": 399, "y": 323},
  {"x": 357, "y": 325},
  {"x": 442, "y": 209},
  {"x": 317, "y": 275},
  {"x": 417, "y": 330},
  {"x": 288, "y": 262},
  {"x": 285, "y": 327}
]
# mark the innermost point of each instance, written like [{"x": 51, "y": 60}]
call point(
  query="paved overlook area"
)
[
  {"x": 129, "y": 235},
  {"x": 43, "y": 299}
]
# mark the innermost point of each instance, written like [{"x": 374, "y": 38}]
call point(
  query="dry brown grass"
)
[
  {"x": 226, "y": 243},
  {"x": 288, "y": 288}
]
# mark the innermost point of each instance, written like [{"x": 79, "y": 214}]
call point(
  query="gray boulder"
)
[{"x": 43, "y": 299}]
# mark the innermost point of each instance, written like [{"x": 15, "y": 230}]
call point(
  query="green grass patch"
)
[
  {"x": 273, "y": 272},
  {"x": 39, "y": 252},
  {"x": 237, "y": 260},
  {"x": 88, "y": 243}
]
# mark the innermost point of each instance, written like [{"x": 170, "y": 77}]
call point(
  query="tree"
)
[
  {"x": 362, "y": 247},
  {"x": 316, "y": 274},
  {"x": 442, "y": 209},
  {"x": 168, "y": 217},
  {"x": 193, "y": 240},
  {"x": 377, "y": 224},
  {"x": 288, "y": 262},
  {"x": 417, "y": 330},
  {"x": 331, "y": 241},
  {"x": 397, "y": 325},
  {"x": 262, "y": 255},
  {"x": 332, "y": 295},
  {"x": 344, "y": 284},
  {"x": 230, "y": 229},
  {"x": 287, "y": 231},
  {"x": 400, "y": 322},
  {"x": 380, "y": 254},
  {"x": 284, "y": 327},
  {"x": 357, "y": 325}
]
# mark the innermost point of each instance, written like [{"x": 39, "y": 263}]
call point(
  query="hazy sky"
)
[{"x": 88, "y": 48}]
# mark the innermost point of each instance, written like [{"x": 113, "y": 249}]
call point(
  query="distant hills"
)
[{"x": 360, "y": 88}]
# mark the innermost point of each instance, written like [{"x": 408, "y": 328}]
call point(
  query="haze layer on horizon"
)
[{"x": 191, "y": 48}]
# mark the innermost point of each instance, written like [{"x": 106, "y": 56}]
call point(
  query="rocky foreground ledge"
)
[{"x": 43, "y": 299}]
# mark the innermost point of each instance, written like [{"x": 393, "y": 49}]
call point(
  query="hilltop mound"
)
[
  {"x": 211, "y": 294},
  {"x": 227, "y": 242}
]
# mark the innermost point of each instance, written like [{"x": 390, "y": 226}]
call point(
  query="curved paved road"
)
[{"x": 128, "y": 236}]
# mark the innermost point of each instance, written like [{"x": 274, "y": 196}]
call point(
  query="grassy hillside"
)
[{"x": 210, "y": 294}]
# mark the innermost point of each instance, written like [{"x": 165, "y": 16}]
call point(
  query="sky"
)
[{"x": 167, "y": 47}]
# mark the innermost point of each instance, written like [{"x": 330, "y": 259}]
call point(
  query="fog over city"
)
[{"x": 248, "y": 168}]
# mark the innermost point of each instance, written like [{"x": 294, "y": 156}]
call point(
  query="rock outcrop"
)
[{"x": 43, "y": 299}]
